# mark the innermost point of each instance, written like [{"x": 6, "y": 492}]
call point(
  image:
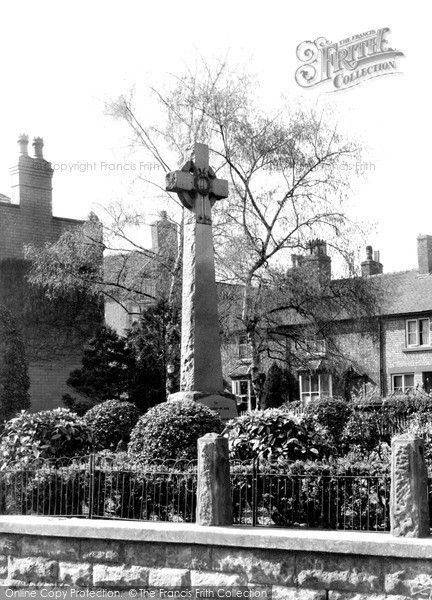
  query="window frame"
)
[
  {"x": 404, "y": 388},
  {"x": 418, "y": 332},
  {"x": 313, "y": 395}
]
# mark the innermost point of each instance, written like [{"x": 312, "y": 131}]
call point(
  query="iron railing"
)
[
  {"x": 100, "y": 487},
  {"x": 266, "y": 494},
  {"x": 263, "y": 494}
]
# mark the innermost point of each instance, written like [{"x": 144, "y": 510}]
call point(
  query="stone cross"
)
[{"x": 201, "y": 366}]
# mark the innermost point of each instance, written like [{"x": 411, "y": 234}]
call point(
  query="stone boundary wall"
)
[{"x": 297, "y": 564}]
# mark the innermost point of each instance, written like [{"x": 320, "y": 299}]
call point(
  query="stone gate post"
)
[
  {"x": 409, "y": 505},
  {"x": 214, "y": 503}
]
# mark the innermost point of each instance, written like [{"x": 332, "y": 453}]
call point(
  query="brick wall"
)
[
  {"x": 28, "y": 220},
  {"x": 399, "y": 359},
  {"x": 293, "y": 565}
]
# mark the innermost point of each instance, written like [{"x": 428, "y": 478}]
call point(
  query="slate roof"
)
[{"x": 405, "y": 292}]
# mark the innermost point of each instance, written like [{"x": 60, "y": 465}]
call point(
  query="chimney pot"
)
[
  {"x": 424, "y": 253},
  {"x": 369, "y": 253},
  {"x": 23, "y": 141},
  {"x": 376, "y": 256},
  {"x": 38, "y": 147}
]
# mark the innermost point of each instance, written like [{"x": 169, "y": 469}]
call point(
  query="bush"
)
[
  {"x": 111, "y": 422},
  {"x": 421, "y": 424},
  {"x": 336, "y": 494},
  {"x": 270, "y": 433},
  {"x": 331, "y": 413},
  {"x": 47, "y": 434},
  {"x": 171, "y": 430}
]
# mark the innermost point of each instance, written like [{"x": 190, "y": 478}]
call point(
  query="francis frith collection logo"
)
[{"x": 346, "y": 63}]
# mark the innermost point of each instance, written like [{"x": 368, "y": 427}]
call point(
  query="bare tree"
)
[{"x": 285, "y": 168}]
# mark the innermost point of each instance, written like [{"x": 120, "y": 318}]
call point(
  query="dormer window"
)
[{"x": 417, "y": 332}]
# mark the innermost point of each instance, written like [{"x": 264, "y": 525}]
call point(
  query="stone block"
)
[
  {"x": 76, "y": 574},
  {"x": 280, "y": 592},
  {"x": 188, "y": 557},
  {"x": 338, "y": 572},
  {"x": 408, "y": 577},
  {"x": 119, "y": 575},
  {"x": 409, "y": 508},
  {"x": 207, "y": 578},
  {"x": 102, "y": 551},
  {"x": 214, "y": 504},
  {"x": 10, "y": 545},
  {"x": 51, "y": 547},
  {"x": 223, "y": 403},
  {"x": 145, "y": 554},
  {"x": 169, "y": 577},
  {"x": 260, "y": 566},
  {"x": 33, "y": 570}
]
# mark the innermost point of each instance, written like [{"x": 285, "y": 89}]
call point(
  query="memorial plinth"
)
[{"x": 201, "y": 365}]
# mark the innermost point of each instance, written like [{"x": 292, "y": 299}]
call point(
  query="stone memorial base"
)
[{"x": 221, "y": 402}]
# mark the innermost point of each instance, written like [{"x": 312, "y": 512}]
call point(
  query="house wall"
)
[
  {"x": 272, "y": 563},
  {"x": 28, "y": 220},
  {"x": 399, "y": 358}
]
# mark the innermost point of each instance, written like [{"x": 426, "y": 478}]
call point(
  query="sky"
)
[{"x": 61, "y": 61}]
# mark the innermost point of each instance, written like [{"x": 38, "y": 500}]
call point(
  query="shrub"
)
[
  {"x": 171, "y": 430},
  {"x": 421, "y": 424},
  {"x": 362, "y": 429},
  {"x": 336, "y": 494},
  {"x": 46, "y": 434},
  {"x": 331, "y": 413},
  {"x": 270, "y": 433},
  {"x": 111, "y": 422}
]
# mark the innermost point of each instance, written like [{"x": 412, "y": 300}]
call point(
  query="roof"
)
[
  {"x": 405, "y": 292},
  {"x": 4, "y": 198}
]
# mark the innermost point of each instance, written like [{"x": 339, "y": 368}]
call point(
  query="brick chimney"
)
[
  {"x": 164, "y": 235},
  {"x": 424, "y": 253},
  {"x": 32, "y": 181},
  {"x": 317, "y": 261},
  {"x": 372, "y": 265}
]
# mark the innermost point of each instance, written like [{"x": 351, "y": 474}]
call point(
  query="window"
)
[
  {"x": 315, "y": 386},
  {"x": 243, "y": 346},
  {"x": 242, "y": 389},
  {"x": 403, "y": 383},
  {"x": 417, "y": 332}
]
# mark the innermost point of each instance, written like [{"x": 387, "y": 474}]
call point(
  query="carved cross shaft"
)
[{"x": 196, "y": 185}]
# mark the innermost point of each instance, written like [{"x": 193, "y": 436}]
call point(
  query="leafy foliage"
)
[
  {"x": 331, "y": 413},
  {"x": 339, "y": 494},
  {"x": 111, "y": 422},
  {"x": 156, "y": 343},
  {"x": 278, "y": 387},
  {"x": 171, "y": 430},
  {"x": 130, "y": 368},
  {"x": 109, "y": 485},
  {"x": 272, "y": 433},
  {"x": 46, "y": 434},
  {"x": 14, "y": 379},
  {"x": 106, "y": 368}
]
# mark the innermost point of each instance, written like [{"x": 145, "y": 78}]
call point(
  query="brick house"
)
[
  {"x": 392, "y": 354},
  {"x": 54, "y": 331}
]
